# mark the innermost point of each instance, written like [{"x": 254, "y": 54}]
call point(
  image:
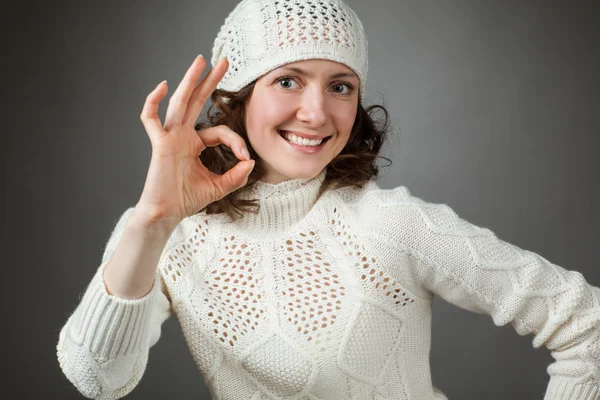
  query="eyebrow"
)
[{"x": 310, "y": 75}]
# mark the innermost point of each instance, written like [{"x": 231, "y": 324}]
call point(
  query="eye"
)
[
  {"x": 286, "y": 82},
  {"x": 343, "y": 88}
]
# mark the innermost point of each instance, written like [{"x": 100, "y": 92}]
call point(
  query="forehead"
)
[{"x": 316, "y": 67}]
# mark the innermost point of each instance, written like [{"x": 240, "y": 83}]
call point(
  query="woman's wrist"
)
[{"x": 142, "y": 219}]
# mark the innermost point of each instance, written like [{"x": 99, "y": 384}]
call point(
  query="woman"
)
[{"x": 297, "y": 276}]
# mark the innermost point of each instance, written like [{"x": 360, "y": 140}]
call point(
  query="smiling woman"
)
[{"x": 292, "y": 273}]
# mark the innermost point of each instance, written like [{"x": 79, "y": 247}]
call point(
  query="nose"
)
[{"x": 313, "y": 108}]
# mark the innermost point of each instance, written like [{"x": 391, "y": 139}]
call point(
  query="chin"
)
[
  {"x": 306, "y": 175},
  {"x": 300, "y": 173}
]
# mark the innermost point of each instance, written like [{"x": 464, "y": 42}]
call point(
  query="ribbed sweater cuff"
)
[
  {"x": 108, "y": 325},
  {"x": 562, "y": 388}
]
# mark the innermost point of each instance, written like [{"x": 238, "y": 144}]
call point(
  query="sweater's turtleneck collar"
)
[{"x": 282, "y": 204}]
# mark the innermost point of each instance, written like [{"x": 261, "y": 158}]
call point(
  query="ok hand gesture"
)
[{"x": 178, "y": 185}]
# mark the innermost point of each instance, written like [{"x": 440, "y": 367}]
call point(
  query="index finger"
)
[
  {"x": 180, "y": 99},
  {"x": 203, "y": 91}
]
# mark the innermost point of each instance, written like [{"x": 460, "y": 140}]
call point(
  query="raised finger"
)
[
  {"x": 223, "y": 135},
  {"x": 203, "y": 91},
  {"x": 179, "y": 100},
  {"x": 149, "y": 115}
]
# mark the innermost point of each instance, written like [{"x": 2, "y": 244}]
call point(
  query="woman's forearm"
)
[{"x": 131, "y": 270}]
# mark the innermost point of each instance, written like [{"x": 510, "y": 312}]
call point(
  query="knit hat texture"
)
[{"x": 261, "y": 35}]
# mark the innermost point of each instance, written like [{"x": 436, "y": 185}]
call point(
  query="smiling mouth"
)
[{"x": 290, "y": 137}]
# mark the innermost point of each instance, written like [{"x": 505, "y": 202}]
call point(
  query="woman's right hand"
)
[{"x": 178, "y": 185}]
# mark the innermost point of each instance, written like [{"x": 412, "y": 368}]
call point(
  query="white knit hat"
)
[{"x": 261, "y": 35}]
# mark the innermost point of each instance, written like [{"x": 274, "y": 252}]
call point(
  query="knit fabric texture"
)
[
  {"x": 261, "y": 35},
  {"x": 329, "y": 297}
]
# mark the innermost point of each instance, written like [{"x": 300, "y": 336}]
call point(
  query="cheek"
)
[
  {"x": 264, "y": 114},
  {"x": 344, "y": 117}
]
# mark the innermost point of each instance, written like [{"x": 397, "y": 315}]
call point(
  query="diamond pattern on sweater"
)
[
  {"x": 279, "y": 367},
  {"x": 231, "y": 292},
  {"x": 369, "y": 342},
  {"x": 311, "y": 290},
  {"x": 376, "y": 283}
]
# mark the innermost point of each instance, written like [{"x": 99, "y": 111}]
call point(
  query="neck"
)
[{"x": 282, "y": 205}]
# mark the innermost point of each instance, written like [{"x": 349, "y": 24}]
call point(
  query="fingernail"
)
[
  {"x": 250, "y": 171},
  {"x": 245, "y": 153},
  {"x": 200, "y": 56}
]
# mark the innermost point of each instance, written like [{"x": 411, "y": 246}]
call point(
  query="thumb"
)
[{"x": 236, "y": 177}]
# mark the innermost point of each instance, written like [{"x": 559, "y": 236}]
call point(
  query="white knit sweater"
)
[{"x": 329, "y": 298}]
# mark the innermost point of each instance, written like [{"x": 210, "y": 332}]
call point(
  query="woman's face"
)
[{"x": 312, "y": 100}]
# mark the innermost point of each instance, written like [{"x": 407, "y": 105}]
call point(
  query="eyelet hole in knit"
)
[
  {"x": 297, "y": 24},
  {"x": 376, "y": 282},
  {"x": 184, "y": 254},
  {"x": 311, "y": 288},
  {"x": 231, "y": 293}
]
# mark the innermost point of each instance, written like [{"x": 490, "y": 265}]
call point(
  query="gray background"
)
[{"x": 494, "y": 109}]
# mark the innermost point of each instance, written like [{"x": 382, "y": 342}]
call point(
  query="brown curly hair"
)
[{"x": 354, "y": 166}]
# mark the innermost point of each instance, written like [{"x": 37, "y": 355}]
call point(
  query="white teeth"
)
[{"x": 301, "y": 141}]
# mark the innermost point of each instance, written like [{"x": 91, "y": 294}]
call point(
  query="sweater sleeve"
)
[
  {"x": 472, "y": 268},
  {"x": 103, "y": 347}
]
